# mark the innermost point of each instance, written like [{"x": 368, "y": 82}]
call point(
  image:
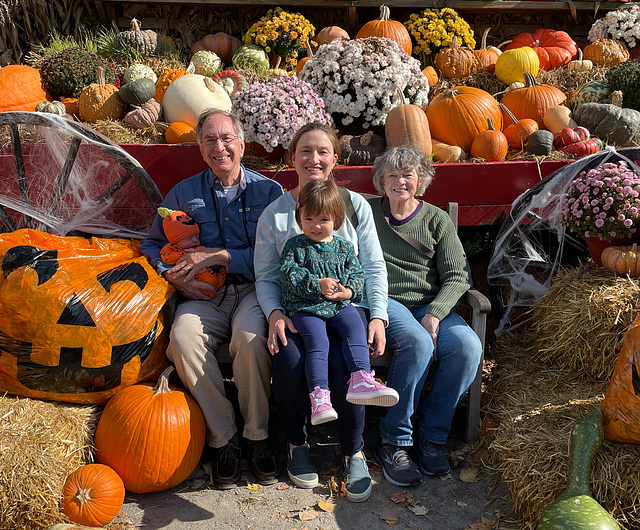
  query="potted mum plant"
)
[
  {"x": 603, "y": 206},
  {"x": 272, "y": 111}
]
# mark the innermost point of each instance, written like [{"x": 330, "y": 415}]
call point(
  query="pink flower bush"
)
[{"x": 603, "y": 202}]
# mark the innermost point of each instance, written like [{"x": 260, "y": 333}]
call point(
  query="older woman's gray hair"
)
[{"x": 403, "y": 158}]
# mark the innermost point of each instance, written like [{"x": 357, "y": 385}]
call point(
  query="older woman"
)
[
  {"x": 314, "y": 153},
  {"x": 427, "y": 272}
]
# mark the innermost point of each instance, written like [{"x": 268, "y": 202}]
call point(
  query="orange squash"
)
[
  {"x": 622, "y": 260},
  {"x": 302, "y": 61},
  {"x": 385, "y": 27},
  {"x": 151, "y": 436},
  {"x": 490, "y": 144},
  {"x": 606, "y": 52},
  {"x": 457, "y": 115},
  {"x": 165, "y": 79},
  {"x": 330, "y": 33},
  {"x": 100, "y": 101},
  {"x": 455, "y": 62},
  {"x": 533, "y": 100},
  {"x": 21, "y": 88},
  {"x": 180, "y": 133},
  {"x": 92, "y": 495}
]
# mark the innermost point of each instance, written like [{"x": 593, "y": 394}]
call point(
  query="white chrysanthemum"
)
[{"x": 623, "y": 24}]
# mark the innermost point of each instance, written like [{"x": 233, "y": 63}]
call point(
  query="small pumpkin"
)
[
  {"x": 71, "y": 106},
  {"x": 180, "y": 133},
  {"x": 329, "y": 34},
  {"x": 557, "y": 118},
  {"x": 302, "y": 61},
  {"x": 385, "y": 27},
  {"x": 138, "y": 91},
  {"x": 221, "y": 43},
  {"x": 151, "y": 436},
  {"x": 361, "y": 150},
  {"x": 442, "y": 152},
  {"x": 21, "y": 88},
  {"x": 488, "y": 56},
  {"x": 230, "y": 80},
  {"x": 512, "y": 64},
  {"x": 52, "y": 107},
  {"x": 519, "y": 130},
  {"x": 570, "y": 135},
  {"x": 540, "y": 142},
  {"x": 92, "y": 495},
  {"x": 606, "y": 52},
  {"x": 168, "y": 76},
  {"x": 276, "y": 71},
  {"x": 100, "y": 101},
  {"x": 145, "y": 115},
  {"x": 622, "y": 260},
  {"x": 206, "y": 63},
  {"x": 583, "y": 147},
  {"x": 454, "y": 62},
  {"x": 533, "y": 100},
  {"x": 491, "y": 145},
  {"x": 580, "y": 63},
  {"x": 431, "y": 75},
  {"x": 136, "y": 71},
  {"x": 145, "y": 41}
]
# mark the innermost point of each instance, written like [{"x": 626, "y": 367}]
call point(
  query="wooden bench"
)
[{"x": 480, "y": 307}]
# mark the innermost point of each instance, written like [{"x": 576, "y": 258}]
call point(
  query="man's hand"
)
[
  {"x": 432, "y": 325},
  {"x": 191, "y": 289},
  {"x": 376, "y": 338},
  {"x": 197, "y": 260},
  {"x": 278, "y": 324}
]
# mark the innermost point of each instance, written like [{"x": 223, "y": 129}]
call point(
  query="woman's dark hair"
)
[
  {"x": 316, "y": 126},
  {"x": 321, "y": 197}
]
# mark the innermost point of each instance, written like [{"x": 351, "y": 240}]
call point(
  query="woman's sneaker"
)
[
  {"x": 397, "y": 466},
  {"x": 321, "y": 409},
  {"x": 365, "y": 390},
  {"x": 358, "y": 481},
  {"x": 433, "y": 459}
]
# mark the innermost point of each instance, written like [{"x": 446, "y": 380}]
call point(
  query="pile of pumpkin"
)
[
  {"x": 459, "y": 121},
  {"x": 147, "y": 439}
]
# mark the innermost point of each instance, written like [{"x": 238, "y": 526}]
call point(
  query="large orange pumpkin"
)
[
  {"x": 533, "y": 100},
  {"x": 79, "y": 318},
  {"x": 92, "y": 495},
  {"x": 222, "y": 44},
  {"x": 457, "y": 115},
  {"x": 554, "y": 48},
  {"x": 152, "y": 436},
  {"x": 20, "y": 88},
  {"x": 385, "y": 27}
]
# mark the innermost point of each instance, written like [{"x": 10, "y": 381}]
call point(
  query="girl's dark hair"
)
[
  {"x": 321, "y": 197},
  {"x": 315, "y": 126}
]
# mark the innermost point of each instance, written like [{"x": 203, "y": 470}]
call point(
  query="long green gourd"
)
[{"x": 575, "y": 508}]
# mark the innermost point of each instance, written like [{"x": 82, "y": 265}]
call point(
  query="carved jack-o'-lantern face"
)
[{"x": 79, "y": 319}]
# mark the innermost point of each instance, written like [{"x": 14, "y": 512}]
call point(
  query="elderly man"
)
[{"x": 225, "y": 201}]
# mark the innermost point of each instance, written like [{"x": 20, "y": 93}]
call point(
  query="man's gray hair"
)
[{"x": 237, "y": 124}]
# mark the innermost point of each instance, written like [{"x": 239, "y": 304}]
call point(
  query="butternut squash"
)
[
  {"x": 557, "y": 118},
  {"x": 442, "y": 152}
]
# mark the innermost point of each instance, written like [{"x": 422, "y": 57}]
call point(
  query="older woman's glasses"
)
[{"x": 226, "y": 139}]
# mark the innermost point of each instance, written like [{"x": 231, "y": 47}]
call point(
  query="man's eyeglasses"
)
[{"x": 226, "y": 139}]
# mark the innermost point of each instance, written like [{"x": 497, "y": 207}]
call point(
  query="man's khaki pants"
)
[{"x": 198, "y": 328}]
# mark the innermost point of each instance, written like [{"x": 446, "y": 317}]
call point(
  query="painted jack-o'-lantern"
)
[{"x": 79, "y": 319}]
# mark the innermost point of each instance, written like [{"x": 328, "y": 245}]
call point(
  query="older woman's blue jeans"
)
[
  {"x": 458, "y": 355},
  {"x": 289, "y": 386}
]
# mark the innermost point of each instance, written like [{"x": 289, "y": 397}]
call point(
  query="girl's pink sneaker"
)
[
  {"x": 321, "y": 409},
  {"x": 365, "y": 390}
]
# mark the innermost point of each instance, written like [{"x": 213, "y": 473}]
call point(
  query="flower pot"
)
[
  {"x": 596, "y": 246},
  {"x": 256, "y": 149}
]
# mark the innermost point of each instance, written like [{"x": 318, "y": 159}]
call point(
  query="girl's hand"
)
[
  {"x": 278, "y": 324},
  {"x": 343, "y": 293},
  {"x": 327, "y": 287}
]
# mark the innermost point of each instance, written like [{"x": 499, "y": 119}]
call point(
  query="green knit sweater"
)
[{"x": 415, "y": 280}]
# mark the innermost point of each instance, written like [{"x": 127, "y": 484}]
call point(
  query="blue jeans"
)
[
  {"x": 289, "y": 386},
  {"x": 314, "y": 330},
  {"x": 458, "y": 356}
]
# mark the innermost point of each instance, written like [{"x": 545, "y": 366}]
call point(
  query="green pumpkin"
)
[
  {"x": 138, "y": 91},
  {"x": 146, "y": 42},
  {"x": 250, "y": 57},
  {"x": 592, "y": 92},
  {"x": 540, "y": 142},
  {"x": 575, "y": 507}
]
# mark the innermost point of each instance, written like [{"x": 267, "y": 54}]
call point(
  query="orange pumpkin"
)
[
  {"x": 330, "y": 33},
  {"x": 79, "y": 319},
  {"x": 21, "y": 88},
  {"x": 487, "y": 56},
  {"x": 180, "y": 133},
  {"x": 606, "y": 52},
  {"x": 165, "y": 79},
  {"x": 622, "y": 260},
  {"x": 454, "y": 62},
  {"x": 302, "y": 61},
  {"x": 431, "y": 75},
  {"x": 100, "y": 101},
  {"x": 408, "y": 124},
  {"x": 71, "y": 104},
  {"x": 222, "y": 44},
  {"x": 519, "y": 130},
  {"x": 490, "y": 144},
  {"x": 385, "y": 27},
  {"x": 554, "y": 48},
  {"x": 92, "y": 495},
  {"x": 151, "y": 436},
  {"x": 533, "y": 100},
  {"x": 457, "y": 115}
]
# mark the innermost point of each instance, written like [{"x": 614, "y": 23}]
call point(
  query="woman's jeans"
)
[
  {"x": 289, "y": 386},
  {"x": 458, "y": 355}
]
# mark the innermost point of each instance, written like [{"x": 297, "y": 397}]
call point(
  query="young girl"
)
[{"x": 320, "y": 275}]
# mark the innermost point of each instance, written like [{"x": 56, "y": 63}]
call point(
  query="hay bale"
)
[
  {"x": 579, "y": 324},
  {"x": 40, "y": 443}
]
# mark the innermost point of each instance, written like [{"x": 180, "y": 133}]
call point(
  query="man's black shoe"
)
[
  {"x": 264, "y": 464},
  {"x": 225, "y": 466}
]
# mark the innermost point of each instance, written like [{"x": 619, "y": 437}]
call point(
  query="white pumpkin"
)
[
  {"x": 188, "y": 96},
  {"x": 136, "y": 71}
]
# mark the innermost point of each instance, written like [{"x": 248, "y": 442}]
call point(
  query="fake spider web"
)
[
  {"x": 530, "y": 246},
  {"x": 60, "y": 177}
]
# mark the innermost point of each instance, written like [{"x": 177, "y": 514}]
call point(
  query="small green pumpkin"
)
[
  {"x": 137, "y": 92},
  {"x": 596, "y": 91},
  {"x": 250, "y": 57},
  {"x": 52, "y": 107},
  {"x": 206, "y": 63},
  {"x": 540, "y": 142}
]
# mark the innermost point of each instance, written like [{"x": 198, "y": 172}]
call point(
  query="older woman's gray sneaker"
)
[{"x": 358, "y": 481}]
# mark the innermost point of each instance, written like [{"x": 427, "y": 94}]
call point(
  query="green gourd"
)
[
  {"x": 138, "y": 91},
  {"x": 575, "y": 508}
]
